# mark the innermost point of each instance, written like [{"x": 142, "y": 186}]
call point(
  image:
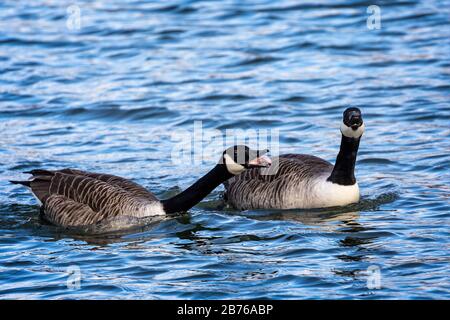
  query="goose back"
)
[
  {"x": 73, "y": 198},
  {"x": 291, "y": 186}
]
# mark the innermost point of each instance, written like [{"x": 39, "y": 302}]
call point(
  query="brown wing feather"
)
[
  {"x": 40, "y": 185},
  {"x": 256, "y": 189},
  {"x": 66, "y": 212},
  {"x": 75, "y": 198},
  {"x": 125, "y": 184}
]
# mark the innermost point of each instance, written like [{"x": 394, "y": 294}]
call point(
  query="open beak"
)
[{"x": 262, "y": 161}]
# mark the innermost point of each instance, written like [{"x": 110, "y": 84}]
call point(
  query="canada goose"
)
[
  {"x": 74, "y": 198},
  {"x": 303, "y": 181}
]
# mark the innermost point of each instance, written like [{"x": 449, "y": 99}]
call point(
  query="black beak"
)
[
  {"x": 261, "y": 152},
  {"x": 354, "y": 120},
  {"x": 260, "y": 160}
]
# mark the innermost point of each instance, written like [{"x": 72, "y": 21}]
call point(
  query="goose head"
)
[
  {"x": 239, "y": 158},
  {"x": 352, "y": 125}
]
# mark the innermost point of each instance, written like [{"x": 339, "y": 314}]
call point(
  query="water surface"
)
[{"x": 107, "y": 97}]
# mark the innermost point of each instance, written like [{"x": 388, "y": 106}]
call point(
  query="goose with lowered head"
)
[{"x": 75, "y": 198}]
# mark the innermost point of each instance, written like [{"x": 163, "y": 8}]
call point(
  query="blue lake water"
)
[{"x": 107, "y": 94}]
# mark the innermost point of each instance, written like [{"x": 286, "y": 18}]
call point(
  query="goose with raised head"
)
[
  {"x": 299, "y": 181},
  {"x": 74, "y": 198}
]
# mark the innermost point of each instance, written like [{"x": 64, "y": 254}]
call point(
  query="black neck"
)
[
  {"x": 344, "y": 168},
  {"x": 198, "y": 191}
]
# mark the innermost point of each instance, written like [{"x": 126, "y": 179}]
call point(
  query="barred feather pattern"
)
[
  {"x": 125, "y": 184},
  {"x": 78, "y": 198},
  {"x": 300, "y": 181}
]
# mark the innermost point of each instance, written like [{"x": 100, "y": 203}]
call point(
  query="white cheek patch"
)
[
  {"x": 350, "y": 133},
  {"x": 233, "y": 167}
]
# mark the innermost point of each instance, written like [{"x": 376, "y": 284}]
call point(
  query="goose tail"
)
[
  {"x": 24, "y": 183},
  {"x": 39, "y": 183}
]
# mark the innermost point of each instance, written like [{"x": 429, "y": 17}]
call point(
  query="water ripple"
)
[{"x": 109, "y": 96}]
